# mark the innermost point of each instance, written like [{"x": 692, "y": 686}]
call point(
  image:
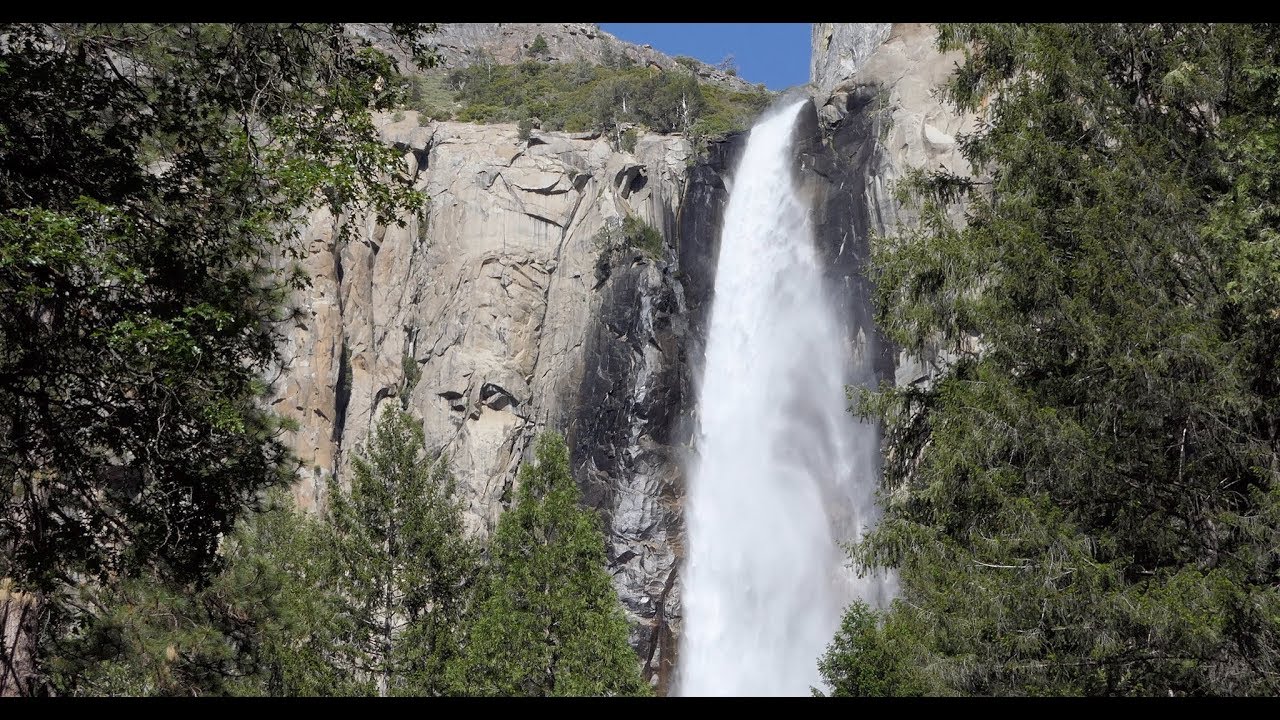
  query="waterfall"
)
[{"x": 784, "y": 472}]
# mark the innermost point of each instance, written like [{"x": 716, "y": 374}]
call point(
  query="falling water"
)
[{"x": 785, "y": 473}]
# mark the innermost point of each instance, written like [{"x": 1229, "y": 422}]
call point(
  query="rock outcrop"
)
[
  {"x": 839, "y": 49},
  {"x": 464, "y": 44},
  {"x": 879, "y": 108},
  {"x": 484, "y": 316}
]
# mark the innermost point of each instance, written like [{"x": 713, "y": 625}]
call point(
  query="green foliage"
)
[
  {"x": 1086, "y": 500},
  {"x": 613, "y": 58},
  {"x": 412, "y": 374},
  {"x": 399, "y": 563},
  {"x": 149, "y": 640},
  {"x": 629, "y": 139},
  {"x": 539, "y": 47},
  {"x": 289, "y": 621},
  {"x": 728, "y": 111},
  {"x": 549, "y": 621},
  {"x": 152, "y": 182},
  {"x": 367, "y": 600},
  {"x": 638, "y": 234},
  {"x": 524, "y": 129},
  {"x": 577, "y": 97},
  {"x": 257, "y": 628},
  {"x": 629, "y": 234},
  {"x": 873, "y": 658},
  {"x": 427, "y": 93}
]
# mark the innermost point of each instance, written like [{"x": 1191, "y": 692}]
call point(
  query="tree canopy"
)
[
  {"x": 1085, "y": 501},
  {"x": 399, "y": 561},
  {"x": 151, "y": 182}
]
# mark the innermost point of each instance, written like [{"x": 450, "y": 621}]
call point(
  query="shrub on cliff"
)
[{"x": 539, "y": 47}]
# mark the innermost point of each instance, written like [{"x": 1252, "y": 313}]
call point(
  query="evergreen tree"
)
[
  {"x": 400, "y": 561},
  {"x": 549, "y": 621},
  {"x": 260, "y": 627},
  {"x": 873, "y": 656},
  {"x": 1086, "y": 500},
  {"x": 539, "y": 47},
  {"x": 366, "y": 600}
]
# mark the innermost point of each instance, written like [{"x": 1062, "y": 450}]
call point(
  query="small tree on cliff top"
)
[{"x": 539, "y": 47}]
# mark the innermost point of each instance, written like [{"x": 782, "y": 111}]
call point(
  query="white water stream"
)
[{"x": 784, "y": 472}]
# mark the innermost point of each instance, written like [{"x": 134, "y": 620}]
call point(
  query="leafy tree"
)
[
  {"x": 672, "y": 102},
  {"x": 1085, "y": 501},
  {"x": 428, "y": 93},
  {"x": 524, "y": 129},
  {"x": 549, "y": 621},
  {"x": 400, "y": 561},
  {"x": 151, "y": 178},
  {"x": 727, "y": 111}
]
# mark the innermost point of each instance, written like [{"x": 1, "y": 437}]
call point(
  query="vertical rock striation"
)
[{"x": 839, "y": 49}]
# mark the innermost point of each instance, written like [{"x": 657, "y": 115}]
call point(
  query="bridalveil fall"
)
[{"x": 784, "y": 474}]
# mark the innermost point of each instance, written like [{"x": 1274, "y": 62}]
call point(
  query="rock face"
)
[
  {"x": 839, "y": 49},
  {"x": 463, "y": 44},
  {"x": 487, "y": 317},
  {"x": 882, "y": 117}
]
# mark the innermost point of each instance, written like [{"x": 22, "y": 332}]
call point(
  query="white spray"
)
[{"x": 785, "y": 473}]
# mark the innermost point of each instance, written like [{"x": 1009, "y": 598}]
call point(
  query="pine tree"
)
[
  {"x": 368, "y": 599},
  {"x": 400, "y": 562},
  {"x": 1087, "y": 501},
  {"x": 539, "y": 47},
  {"x": 264, "y": 625},
  {"x": 549, "y": 621},
  {"x": 875, "y": 656}
]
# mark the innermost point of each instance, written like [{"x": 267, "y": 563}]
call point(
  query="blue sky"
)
[{"x": 776, "y": 54}]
